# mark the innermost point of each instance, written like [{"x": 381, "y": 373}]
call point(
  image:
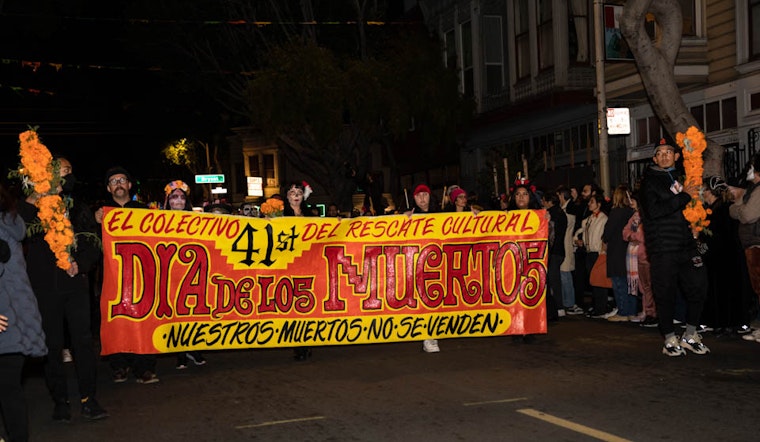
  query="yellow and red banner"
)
[{"x": 176, "y": 280}]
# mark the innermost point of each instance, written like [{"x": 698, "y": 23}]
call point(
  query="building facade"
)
[{"x": 530, "y": 66}]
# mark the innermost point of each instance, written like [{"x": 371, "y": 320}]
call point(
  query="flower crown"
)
[
  {"x": 522, "y": 182},
  {"x": 176, "y": 184}
]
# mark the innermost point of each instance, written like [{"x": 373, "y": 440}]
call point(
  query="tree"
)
[
  {"x": 655, "y": 62},
  {"x": 328, "y": 112}
]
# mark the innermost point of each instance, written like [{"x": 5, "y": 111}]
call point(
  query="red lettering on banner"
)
[
  {"x": 458, "y": 260},
  {"x": 318, "y": 232},
  {"x": 336, "y": 257},
  {"x": 165, "y": 254},
  {"x": 506, "y": 290},
  {"x": 286, "y": 294},
  {"x": 194, "y": 282},
  {"x": 485, "y": 251},
  {"x": 265, "y": 302},
  {"x": 116, "y": 223},
  {"x": 133, "y": 304},
  {"x": 232, "y": 297},
  {"x": 393, "y": 281},
  {"x": 432, "y": 294},
  {"x": 534, "y": 280}
]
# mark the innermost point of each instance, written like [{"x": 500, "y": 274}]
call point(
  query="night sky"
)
[{"x": 70, "y": 68}]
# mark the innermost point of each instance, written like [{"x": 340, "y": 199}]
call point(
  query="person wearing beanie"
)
[
  {"x": 422, "y": 200},
  {"x": 672, "y": 250},
  {"x": 422, "y": 204},
  {"x": 458, "y": 201}
]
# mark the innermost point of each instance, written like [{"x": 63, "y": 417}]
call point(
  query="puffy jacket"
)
[{"x": 662, "y": 213}]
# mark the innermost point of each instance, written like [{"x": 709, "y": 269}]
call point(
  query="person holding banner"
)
[
  {"x": 422, "y": 204},
  {"x": 458, "y": 201},
  {"x": 296, "y": 205},
  {"x": 178, "y": 198},
  {"x": 119, "y": 184}
]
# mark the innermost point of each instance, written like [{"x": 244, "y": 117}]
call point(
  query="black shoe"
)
[
  {"x": 196, "y": 357},
  {"x": 62, "y": 411},
  {"x": 301, "y": 353},
  {"x": 649, "y": 322},
  {"x": 120, "y": 375},
  {"x": 92, "y": 410}
]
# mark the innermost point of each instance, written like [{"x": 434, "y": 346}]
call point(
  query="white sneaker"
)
[
  {"x": 66, "y": 355},
  {"x": 561, "y": 312},
  {"x": 753, "y": 336},
  {"x": 610, "y": 314},
  {"x": 430, "y": 346}
]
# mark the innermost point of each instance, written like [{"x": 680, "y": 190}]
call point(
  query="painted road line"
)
[
  {"x": 498, "y": 401},
  {"x": 601, "y": 435},
  {"x": 288, "y": 421}
]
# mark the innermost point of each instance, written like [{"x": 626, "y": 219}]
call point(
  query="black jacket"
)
[
  {"x": 662, "y": 213},
  {"x": 557, "y": 231},
  {"x": 43, "y": 272}
]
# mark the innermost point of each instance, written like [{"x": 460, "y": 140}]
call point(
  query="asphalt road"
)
[{"x": 585, "y": 380}]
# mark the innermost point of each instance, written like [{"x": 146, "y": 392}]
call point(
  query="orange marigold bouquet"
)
[
  {"x": 40, "y": 174},
  {"x": 694, "y": 144},
  {"x": 273, "y": 207}
]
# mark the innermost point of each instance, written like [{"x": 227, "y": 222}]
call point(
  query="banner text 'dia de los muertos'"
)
[{"x": 176, "y": 281}]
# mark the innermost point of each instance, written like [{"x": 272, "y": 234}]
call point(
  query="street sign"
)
[
  {"x": 618, "y": 121},
  {"x": 209, "y": 179}
]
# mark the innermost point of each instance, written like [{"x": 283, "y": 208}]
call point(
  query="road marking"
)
[
  {"x": 499, "y": 401},
  {"x": 287, "y": 421},
  {"x": 601, "y": 435}
]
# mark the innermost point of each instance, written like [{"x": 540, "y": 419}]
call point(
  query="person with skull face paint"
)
[{"x": 63, "y": 297}]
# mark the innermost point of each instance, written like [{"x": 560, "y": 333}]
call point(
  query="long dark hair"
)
[
  {"x": 305, "y": 208},
  {"x": 7, "y": 200},
  {"x": 533, "y": 203}
]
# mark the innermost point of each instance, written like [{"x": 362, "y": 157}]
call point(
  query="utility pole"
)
[{"x": 601, "y": 97}]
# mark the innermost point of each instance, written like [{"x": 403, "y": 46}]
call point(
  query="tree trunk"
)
[{"x": 656, "y": 61}]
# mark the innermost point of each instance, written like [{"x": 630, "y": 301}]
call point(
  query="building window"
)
[
  {"x": 712, "y": 114},
  {"x": 494, "y": 54},
  {"x": 754, "y": 29},
  {"x": 545, "y": 34},
  {"x": 450, "y": 50},
  {"x": 728, "y": 113},
  {"x": 688, "y": 12},
  {"x": 754, "y": 101},
  {"x": 467, "y": 74},
  {"x": 648, "y": 130},
  {"x": 522, "y": 41},
  {"x": 698, "y": 113},
  {"x": 578, "y": 38}
]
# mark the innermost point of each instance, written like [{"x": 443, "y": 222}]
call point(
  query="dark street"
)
[{"x": 585, "y": 380}]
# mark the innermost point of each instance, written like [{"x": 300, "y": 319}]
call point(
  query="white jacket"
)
[
  {"x": 591, "y": 232},
  {"x": 568, "y": 265}
]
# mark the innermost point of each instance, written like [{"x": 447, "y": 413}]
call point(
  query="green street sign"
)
[{"x": 209, "y": 179}]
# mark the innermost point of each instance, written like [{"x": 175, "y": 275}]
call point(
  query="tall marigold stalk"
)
[
  {"x": 693, "y": 144},
  {"x": 41, "y": 176}
]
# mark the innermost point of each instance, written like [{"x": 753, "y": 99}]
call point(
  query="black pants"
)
[
  {"x": 671, "y": 271},
  {"x": 599, "y": 294},
  {"x": 580, "y": 276},
  {"x": 73, "y": 306},
  {"x": 139, "y": 364},
  {"x": 554, "y": 292},
  {"x": 12, "y": 400}
]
